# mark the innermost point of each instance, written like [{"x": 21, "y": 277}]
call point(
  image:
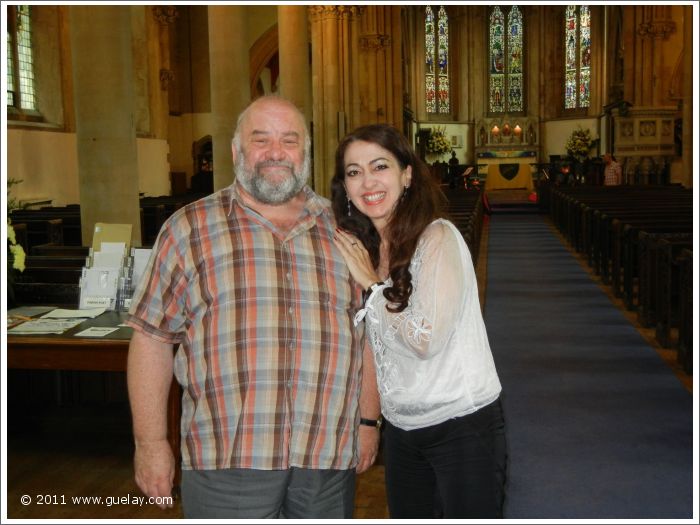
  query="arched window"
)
[
  {"x": 577, "y": 53},
  {"x": 506, "y": 51},
  {"x": 20, "y": 64},
  {"x": 437, "y": 52}
]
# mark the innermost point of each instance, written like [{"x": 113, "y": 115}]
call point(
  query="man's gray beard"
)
[{"x": 263, "y": 190}]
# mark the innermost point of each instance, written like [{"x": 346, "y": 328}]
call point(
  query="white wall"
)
[
  {"x": 557, "y": 132},
  {"x": 47, "y": 164},
  {"x": 154, "y": 169},
  {"x": 460, "y": 131}
]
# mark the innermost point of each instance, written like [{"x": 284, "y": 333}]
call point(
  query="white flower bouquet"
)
[{"x": 438, "y": 141}]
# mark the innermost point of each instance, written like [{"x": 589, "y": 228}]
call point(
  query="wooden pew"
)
[
  {"x": 49, "y": 262},
  {"x": 60, "y": 250},
  {"x": 39, "y": 231},
  {"x": 49, "y": 294},
  {"x": 685, "y": 311},
  {"x": 155, "y": 210},
  {"x": 152, "y": 218},
  {"x": 58, "y": 225},
  {"x": 664, "y": 312},
  {"x": 625, "y": 259},
  {"x": 632, "y": 238},
  {"x": 571, "y": 207},
  {"x": 49, "y": 280},
  {"x": 50, "y": 273},
  {"x": 605, "y": 223},
  {"x": 585, "y": 216},
  {"x": 656, "y": 251},
  {"x": 465, "y": 209}
]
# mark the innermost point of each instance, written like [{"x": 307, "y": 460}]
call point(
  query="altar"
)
[
  {"x": 506, "y": 175},
  {"x": 507, "y": 169}
]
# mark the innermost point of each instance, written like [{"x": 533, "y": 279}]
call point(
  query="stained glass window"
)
[
  {"x": 515, "y": 60},
  {"x": 506, "y": 52},
  {"x": 20, "y": 63},
  {"x": 497, "y": 46},
  {"x": 430, "y": 102},
  {"x": 577, "y": 57},
  {"x": 437, "y": 53}
]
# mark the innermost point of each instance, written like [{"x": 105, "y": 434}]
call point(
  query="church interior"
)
[{"x": 121, "y": 114}]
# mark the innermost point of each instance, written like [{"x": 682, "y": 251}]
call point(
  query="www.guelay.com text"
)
[{"x": 108, "y": 501}]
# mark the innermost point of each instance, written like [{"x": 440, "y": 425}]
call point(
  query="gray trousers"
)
[{"x": 254, "y": 494}]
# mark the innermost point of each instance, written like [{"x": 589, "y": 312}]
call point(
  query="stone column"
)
[
  {"x": 644, "y": 132},
  {"x": 652, "y": 26},
  {"x": 380, "y": 55},
  {"x": 104, "y": 110},
  {"x": 333, "y": 44},
  {"x": 159, "y": 24},
  {"x": 687, "y": 179},
  {"x": 295, "y": 71},
  {"x": 230, "y": 91}
]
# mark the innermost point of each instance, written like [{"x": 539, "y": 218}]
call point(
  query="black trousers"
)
[{"x": 456, "y": 469}]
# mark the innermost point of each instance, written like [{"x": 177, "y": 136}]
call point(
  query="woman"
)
[{"x": 444, "y": 440}]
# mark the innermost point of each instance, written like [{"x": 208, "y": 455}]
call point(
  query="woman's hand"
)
[{"x": 357, "y": 258}]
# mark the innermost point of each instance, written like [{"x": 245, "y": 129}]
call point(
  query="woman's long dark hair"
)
[{"x": 422, "y": 203}]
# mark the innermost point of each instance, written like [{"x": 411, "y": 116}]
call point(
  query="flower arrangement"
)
[
  {"x": 16, "y": 255},
  {"x": 438, "y": 141},
  {"x": 580, "y": 144}
]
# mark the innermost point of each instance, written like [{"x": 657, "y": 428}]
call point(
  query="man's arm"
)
[
  {"x": 368, "y": 437},
  {"x": 149, "y": 374}
]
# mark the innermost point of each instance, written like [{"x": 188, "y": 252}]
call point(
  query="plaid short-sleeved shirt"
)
[
  {"x": 613, "y": 174},
  {"x": 268, "y": 361}
]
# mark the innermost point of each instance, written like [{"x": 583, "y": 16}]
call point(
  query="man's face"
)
[{"x": 270, "y": 162}]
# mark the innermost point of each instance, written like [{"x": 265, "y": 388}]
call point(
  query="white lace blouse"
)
[{"x": 433, "y": 360}]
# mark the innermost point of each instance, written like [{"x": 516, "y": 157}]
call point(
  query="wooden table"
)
[{"x": 100, "y": 354}]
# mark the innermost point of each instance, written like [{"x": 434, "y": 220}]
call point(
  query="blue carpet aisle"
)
[{"x": 598, "y": 426}]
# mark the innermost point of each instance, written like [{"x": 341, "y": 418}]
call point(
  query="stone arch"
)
[{"x": 264, "y": 63}]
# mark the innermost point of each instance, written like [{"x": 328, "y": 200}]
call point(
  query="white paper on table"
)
[
  {"x": 98, "y": 287},
  {"x": 101, "y": 282},
  {"x": 96, "y": 331},
  {"x": 45, "y": 326},
  {"x": 30, "y": 311},
  {"x": 113, "y": 247},
  {"x": 84, "y": 313},
  {"x": 107, "y": 259},
  {"x": 94, "y": 301}
]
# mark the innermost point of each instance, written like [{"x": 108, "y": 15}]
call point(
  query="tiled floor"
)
[
  {"x": 370, "y": 496},
  {"x": 64, "y": 465}
]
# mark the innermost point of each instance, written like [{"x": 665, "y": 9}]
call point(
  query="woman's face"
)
[{"x": 374, "y": 180}]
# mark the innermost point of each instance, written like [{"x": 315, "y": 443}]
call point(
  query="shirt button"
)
[
  {"x": 291, "y": 310},
  {"x": 289, "y": 276}
]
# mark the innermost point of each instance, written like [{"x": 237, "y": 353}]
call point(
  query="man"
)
[
  {"x": 248, "y": 282},
  {"x": 613, "y": 171}
]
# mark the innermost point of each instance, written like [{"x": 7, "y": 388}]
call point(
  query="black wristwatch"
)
[{"x": 371, "y": 422}]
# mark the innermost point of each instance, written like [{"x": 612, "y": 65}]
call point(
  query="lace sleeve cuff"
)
[{"x": 371, "y": 292}]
